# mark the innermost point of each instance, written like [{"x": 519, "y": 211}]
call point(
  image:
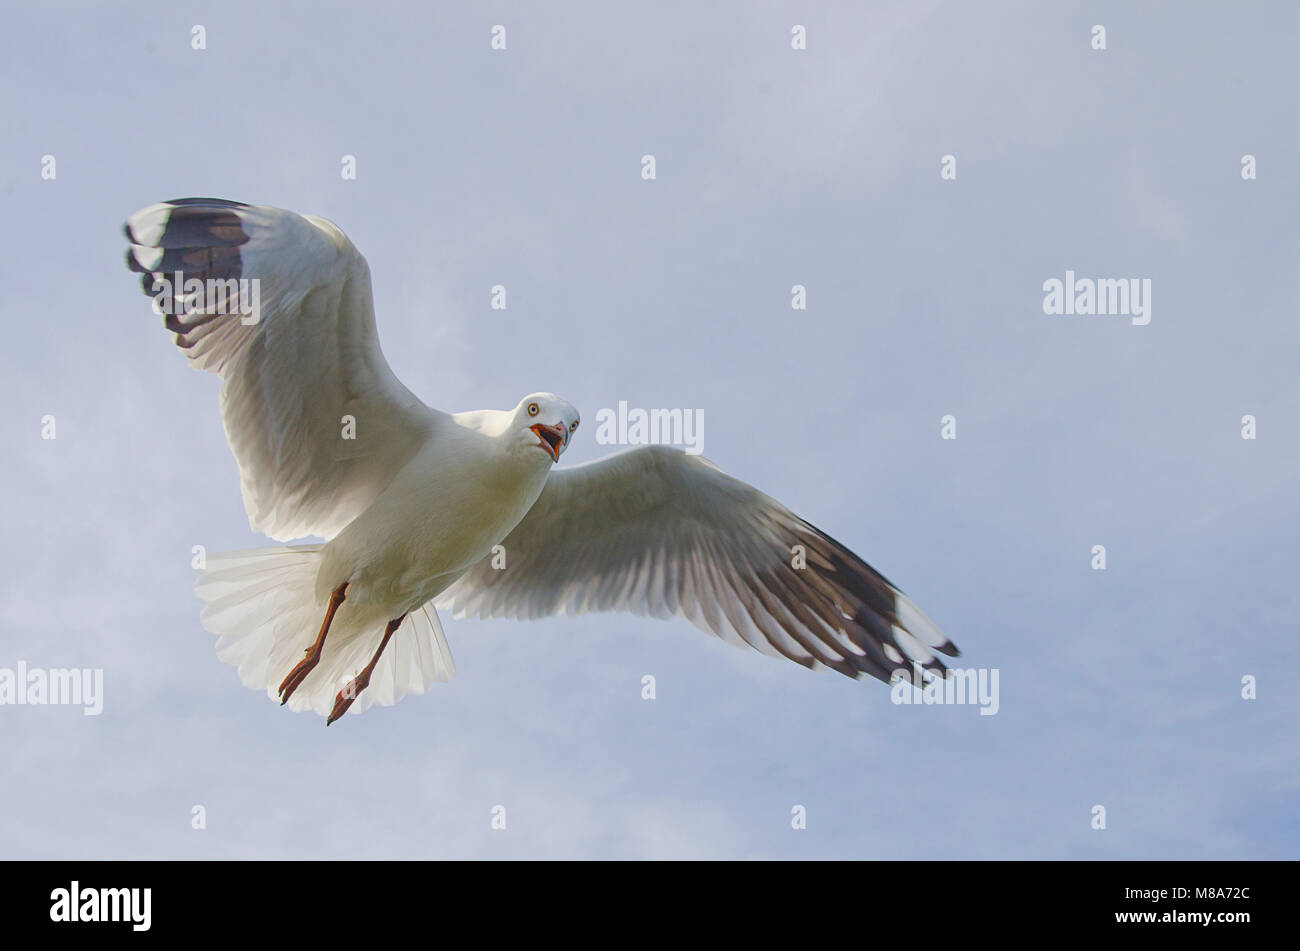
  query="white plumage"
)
[{"x": 411, "y": 500}]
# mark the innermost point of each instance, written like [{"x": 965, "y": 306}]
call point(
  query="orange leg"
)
[
  {"x": 308, "y": 663},
  {"x": 352, "y": 689}
]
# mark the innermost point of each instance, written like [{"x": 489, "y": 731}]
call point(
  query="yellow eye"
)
[
  {"x": 533, "y": 409},
  {"x": 574, "y": 427}
]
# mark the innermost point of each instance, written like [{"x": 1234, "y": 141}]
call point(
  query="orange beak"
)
[{"x": 551, "y": 438}]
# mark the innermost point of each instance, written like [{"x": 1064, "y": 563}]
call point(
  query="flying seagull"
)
[{"x": 423, "y": 509}]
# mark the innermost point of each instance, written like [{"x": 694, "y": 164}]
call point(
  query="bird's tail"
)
[{"x": 262, "y": 606}]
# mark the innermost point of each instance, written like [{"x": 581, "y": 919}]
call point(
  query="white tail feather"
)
[{"x": 262, "y": 606}]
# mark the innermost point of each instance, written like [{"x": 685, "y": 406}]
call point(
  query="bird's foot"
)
[
  {"x": 351, "y": 690},
  {"x": 308, "y": 663},
  {"x": 299, "y": 674}
]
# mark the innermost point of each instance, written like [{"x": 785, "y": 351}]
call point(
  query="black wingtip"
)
[{"x": 219, "y": 202}]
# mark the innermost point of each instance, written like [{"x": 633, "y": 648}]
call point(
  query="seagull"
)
[{"x": 422, "y": 510}]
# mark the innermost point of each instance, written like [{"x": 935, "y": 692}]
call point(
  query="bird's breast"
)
[{"x": 429, "y": 527}]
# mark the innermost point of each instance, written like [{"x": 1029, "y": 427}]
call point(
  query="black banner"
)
[{"x": 1221, "y": 901}]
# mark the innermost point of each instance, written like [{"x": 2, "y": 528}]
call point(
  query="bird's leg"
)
[
  {"x": 308, "y": 663},
  {"x": 352, "y": 689}
]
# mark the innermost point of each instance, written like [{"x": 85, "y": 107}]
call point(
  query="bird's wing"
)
[
  {"x": 317, "y": 420},
  {"x": 658, "y": 532}
]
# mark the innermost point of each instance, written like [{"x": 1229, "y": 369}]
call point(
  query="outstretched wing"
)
[
  {"x": 658, "y": 532},
  {"x": 317, "y": 420}
]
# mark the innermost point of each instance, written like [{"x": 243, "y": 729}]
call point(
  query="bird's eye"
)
[
  {"x": 533, "y": 409},
  {"x": 574, "y": 427}
]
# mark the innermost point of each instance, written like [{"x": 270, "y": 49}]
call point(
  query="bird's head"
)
[{"x": 545, "y": 423}]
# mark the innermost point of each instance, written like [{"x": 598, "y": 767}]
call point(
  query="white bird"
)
[{"x": 412, "y": 501}]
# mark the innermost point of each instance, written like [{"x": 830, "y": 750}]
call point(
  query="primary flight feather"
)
[{"x": 412, "y": 501}]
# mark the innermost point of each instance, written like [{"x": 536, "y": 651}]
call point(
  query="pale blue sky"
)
[{"x": 775, "y": 167}]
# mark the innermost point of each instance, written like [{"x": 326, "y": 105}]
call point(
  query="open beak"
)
[{"x": 551, "y": 438}]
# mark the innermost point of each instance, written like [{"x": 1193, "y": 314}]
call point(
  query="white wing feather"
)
[
  {"x": 291, "y": 380},
  {"x": 658, "y": 532}
]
